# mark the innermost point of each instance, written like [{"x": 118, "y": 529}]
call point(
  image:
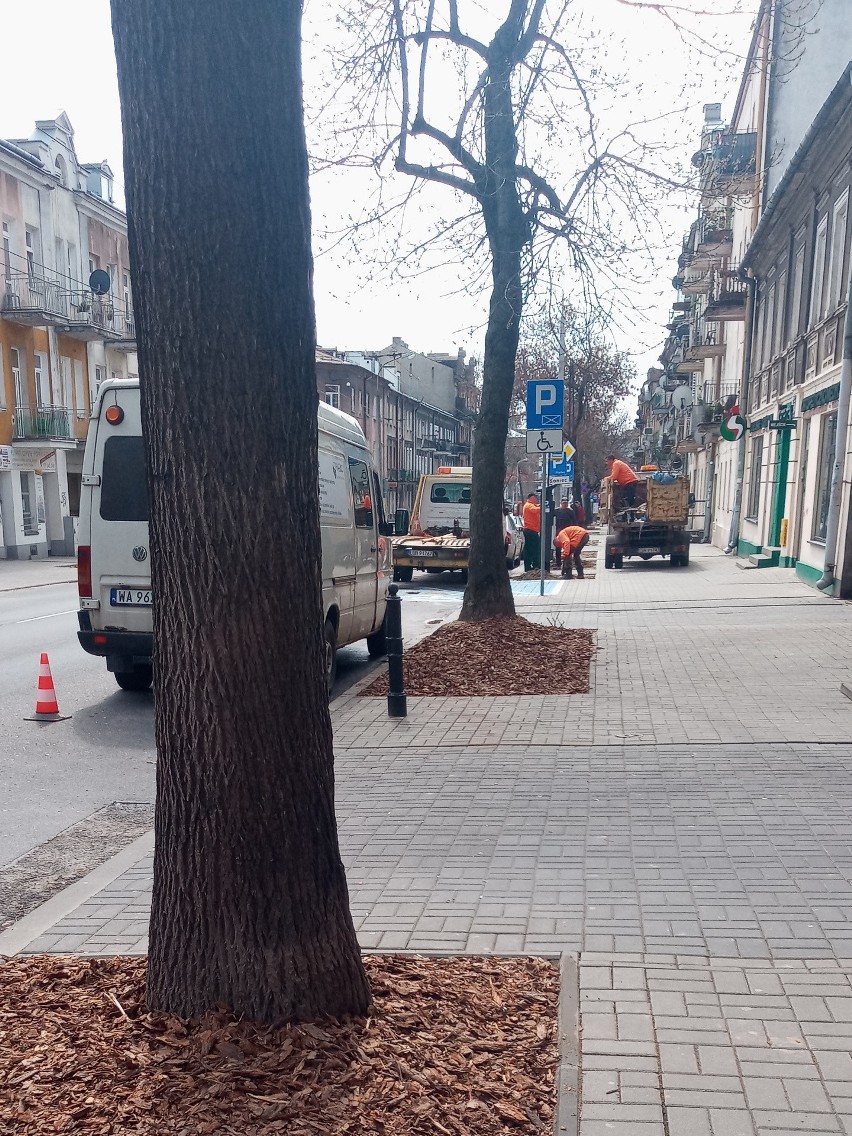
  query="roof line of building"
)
[
  {"x": 17, "y": 152},
  {"x": 842, "y": 91}
]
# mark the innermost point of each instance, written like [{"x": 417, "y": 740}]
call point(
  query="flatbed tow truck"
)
[{"x": 438, "y": 537}]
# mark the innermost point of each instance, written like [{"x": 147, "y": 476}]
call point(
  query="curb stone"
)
[
  {"x": 566, "y": 1119},
  {"x": 16, "y": 938}
]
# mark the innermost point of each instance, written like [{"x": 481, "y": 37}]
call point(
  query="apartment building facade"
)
[
  {"x": 756, "y": 328},
  {"x": 66, "y": 323},
  {"x": 417, "y": 411}
]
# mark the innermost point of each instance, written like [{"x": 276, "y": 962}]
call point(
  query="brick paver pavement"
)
[{"x": 684, "y": 828}]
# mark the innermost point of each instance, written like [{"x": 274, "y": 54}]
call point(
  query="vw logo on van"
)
[{"x": 140, "y": 553}]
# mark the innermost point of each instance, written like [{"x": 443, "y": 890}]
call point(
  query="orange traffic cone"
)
[{"x": 47, "y": 708}]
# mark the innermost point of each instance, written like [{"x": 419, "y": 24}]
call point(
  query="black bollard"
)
[{"x": 397, "y": 702}]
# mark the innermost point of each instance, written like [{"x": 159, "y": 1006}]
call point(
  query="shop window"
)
[
  {"x": 754, "y": 478},
  {"x": 827, "y": 439}
]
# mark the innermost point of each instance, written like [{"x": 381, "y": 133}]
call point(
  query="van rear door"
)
[{"x": 120, "y": 562}]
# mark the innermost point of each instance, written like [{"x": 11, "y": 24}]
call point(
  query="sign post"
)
[{"x": 545, "y": 419}]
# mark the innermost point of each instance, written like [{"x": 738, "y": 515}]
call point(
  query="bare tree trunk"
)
[
  {"x": 489, "y": 592},
  {"x": 250, "y": 904}
]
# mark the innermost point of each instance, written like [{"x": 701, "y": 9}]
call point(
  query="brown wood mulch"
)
[
  {"x": 506, "y": 656},
  {"x": 459, "y": 1047}
]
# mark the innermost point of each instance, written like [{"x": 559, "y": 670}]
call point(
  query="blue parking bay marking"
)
[{"x": 533, "y": 587}]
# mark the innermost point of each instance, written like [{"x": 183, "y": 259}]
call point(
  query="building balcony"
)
[
  {"x": 52, "y": 423},
  {"x": 729, "y": 164},
  {"x": 696, "y": 280},
  {"x": 727, "y": 299},
  {"x": 35, "y": 296},
  {"x": 703, "y": 342},
  {"x": 719, "y": 394}
]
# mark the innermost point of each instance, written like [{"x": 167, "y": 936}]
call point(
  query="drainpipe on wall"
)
[
  {"x": 708, "y": 493},
  {"x": 751, "y": 320},
  {"x": 840, "y": 442}
]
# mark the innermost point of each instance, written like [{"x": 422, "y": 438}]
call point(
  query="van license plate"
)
[
  {"x": 130, "y": 597},
  {"x": 648, "y": 549},
  {"x": 420, "y": 552}
]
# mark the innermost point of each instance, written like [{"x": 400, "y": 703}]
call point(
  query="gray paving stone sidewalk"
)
[
  {"x": 715, "y": 1048},
  {"x": 684, "y": 828}
]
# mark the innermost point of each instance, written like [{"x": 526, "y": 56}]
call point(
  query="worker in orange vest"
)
[
  {"x": 622, "y": 475},
  {"x": 571, "y": 541},
  {"x": 532, "y": 533}
]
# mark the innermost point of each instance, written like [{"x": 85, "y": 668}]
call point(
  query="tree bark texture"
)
[
  {"x": 250, "y": 905},
  {"x": 489, "y": 592}
]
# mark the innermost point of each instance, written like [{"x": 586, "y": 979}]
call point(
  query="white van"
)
[{"x": 113, "y": 567}]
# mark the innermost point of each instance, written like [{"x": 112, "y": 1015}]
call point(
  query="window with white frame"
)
[
  {"x": 754, "y": 478},
  {"x": 79, "y": 389},
  {"x": 836, "y": 260},
  {"x": 41, "y": 380},
  {"x": 827, "y": 439},
  {"x": 31, "y": 245},
  {"x": 100, "y": 377},
  {"x": 780, "y": 326},
  {"x": 798, "y": 283},
  {"x": 766, "y": 349},
  {"x": 19, "y": 378},
  {"x": 760, "y": 358},
  {"x": 6, "y": 234},
  {"x": 818, "y": 277},
  {"x": 64, "y": 401},
  {"x": 126, "y": 288},
  {"x": 332, "y": 395}
]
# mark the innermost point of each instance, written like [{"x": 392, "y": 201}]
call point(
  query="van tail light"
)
[
  {"x": 84, "y": 571},
  {"x": 414, "y": 527}
]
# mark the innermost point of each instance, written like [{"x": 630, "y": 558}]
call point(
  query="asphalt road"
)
[{"x": 55, "y": 775}]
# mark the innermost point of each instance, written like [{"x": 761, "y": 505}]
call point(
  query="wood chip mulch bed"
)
[
  {"x": 507, "y": 656},
  {"x": 459, "y": 1047}
]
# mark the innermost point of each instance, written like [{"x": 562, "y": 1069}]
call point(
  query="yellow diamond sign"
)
[{"x": 569, "y": 450}]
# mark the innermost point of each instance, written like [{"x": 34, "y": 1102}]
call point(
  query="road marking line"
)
[{"x": 53, "y": 615}]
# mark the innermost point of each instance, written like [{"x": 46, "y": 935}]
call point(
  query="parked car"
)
[
  {"x": 514, "y": 539},
  {"x": 114, "y": 568}
]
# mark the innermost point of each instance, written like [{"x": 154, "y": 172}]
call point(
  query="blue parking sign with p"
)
[{"x": 545, "y": 401}]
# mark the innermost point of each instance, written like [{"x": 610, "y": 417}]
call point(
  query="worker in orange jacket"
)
[
  {"x": 571, "y": 541},
  {"x": 622, "y": 475},
  {"x": 531, "y": 514}
]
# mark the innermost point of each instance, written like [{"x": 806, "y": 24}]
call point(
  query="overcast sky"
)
[{"x": 59, "y": 56}]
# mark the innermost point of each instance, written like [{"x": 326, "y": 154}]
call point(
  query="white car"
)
[{"x": 514, "y": 539}]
